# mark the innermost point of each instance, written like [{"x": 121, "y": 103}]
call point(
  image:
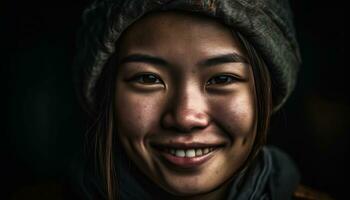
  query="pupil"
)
[
  {"x": 222, "y": 79},
  {"x": 149, "y": 79}
]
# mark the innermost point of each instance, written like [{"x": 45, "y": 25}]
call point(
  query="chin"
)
[
  {"x": 187, "y": 191},
  {"x": 192, "y": 187}
]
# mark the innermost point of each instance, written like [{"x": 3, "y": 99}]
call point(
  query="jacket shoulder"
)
[{"x": 303, "y": 192}]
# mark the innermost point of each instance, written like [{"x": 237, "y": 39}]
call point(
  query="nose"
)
[{"x": 187, "y": 111}]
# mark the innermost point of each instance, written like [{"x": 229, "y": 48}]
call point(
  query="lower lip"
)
[{"x": 185, "y": 162}]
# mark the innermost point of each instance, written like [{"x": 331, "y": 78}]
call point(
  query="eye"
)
[
  {"x": 148, "y": 79},
  {"x": 222, "y": 79}
]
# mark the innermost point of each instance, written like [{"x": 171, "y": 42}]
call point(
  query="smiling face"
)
[{"x": 184, "y": 101}]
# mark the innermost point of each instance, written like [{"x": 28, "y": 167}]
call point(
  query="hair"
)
[
  {"x": 263, "y": 91},
  {"x": 102, "y": 138}
]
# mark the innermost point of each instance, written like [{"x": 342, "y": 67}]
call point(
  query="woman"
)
[{"x": 179, "y": 94}]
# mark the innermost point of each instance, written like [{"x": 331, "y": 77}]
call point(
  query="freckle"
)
[{"x": 193, "y": 71}]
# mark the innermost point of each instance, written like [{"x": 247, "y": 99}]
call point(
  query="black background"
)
[{"x": 42, "y": 127}]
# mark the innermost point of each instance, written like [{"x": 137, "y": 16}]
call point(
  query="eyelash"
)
[
  {"x": 231, "y": 78},
  {"x": 141, "y": 78}
]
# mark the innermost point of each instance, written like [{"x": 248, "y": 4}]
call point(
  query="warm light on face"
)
[{"x": 184, "y": 101}]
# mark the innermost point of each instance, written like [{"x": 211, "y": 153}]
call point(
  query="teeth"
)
[
  {"x": 190, "y": 153},
  {"x": 206, "y": 150},
  {"x": 199, "y": 152},
  {"x": 180, "y": 153}
]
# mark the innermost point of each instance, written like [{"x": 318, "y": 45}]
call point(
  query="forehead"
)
[{"x": 175, "y": 31}]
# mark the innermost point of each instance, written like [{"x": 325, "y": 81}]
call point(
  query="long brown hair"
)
[
  {"x": 263, "y": 90},
  {"x": 103, "y": 138}
]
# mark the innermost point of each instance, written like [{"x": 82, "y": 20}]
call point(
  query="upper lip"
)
[{"x": 188, "y": 145}]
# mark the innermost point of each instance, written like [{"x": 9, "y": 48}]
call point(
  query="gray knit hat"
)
[{"x": 267, "y": 25}]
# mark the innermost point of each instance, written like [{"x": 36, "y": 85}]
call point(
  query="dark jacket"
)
[{"x": 272, "y": 176}]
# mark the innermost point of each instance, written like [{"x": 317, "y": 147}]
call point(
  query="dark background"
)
[{"x": 43, "y": 129}]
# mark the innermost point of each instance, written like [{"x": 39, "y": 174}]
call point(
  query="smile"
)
[{"x": 188, "y": 157}]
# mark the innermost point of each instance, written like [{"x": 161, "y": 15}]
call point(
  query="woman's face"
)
[{"x": 184, "y": 101}]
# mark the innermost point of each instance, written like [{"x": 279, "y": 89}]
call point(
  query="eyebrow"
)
[
  {"x": 225, "y": 58},
  {"x": 215, "y": 60},
  {"x": 145, "y": 59}
]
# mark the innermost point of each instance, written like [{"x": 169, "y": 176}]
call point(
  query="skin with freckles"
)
[{"x": 184, "y": 78}]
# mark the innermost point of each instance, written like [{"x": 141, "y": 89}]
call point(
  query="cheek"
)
[
  {"x": 238, "y": 116},
  {"x": 135, "y": 115}
]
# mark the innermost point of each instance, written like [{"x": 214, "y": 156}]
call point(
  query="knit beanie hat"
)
[{"x": 266, "y": 24}]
